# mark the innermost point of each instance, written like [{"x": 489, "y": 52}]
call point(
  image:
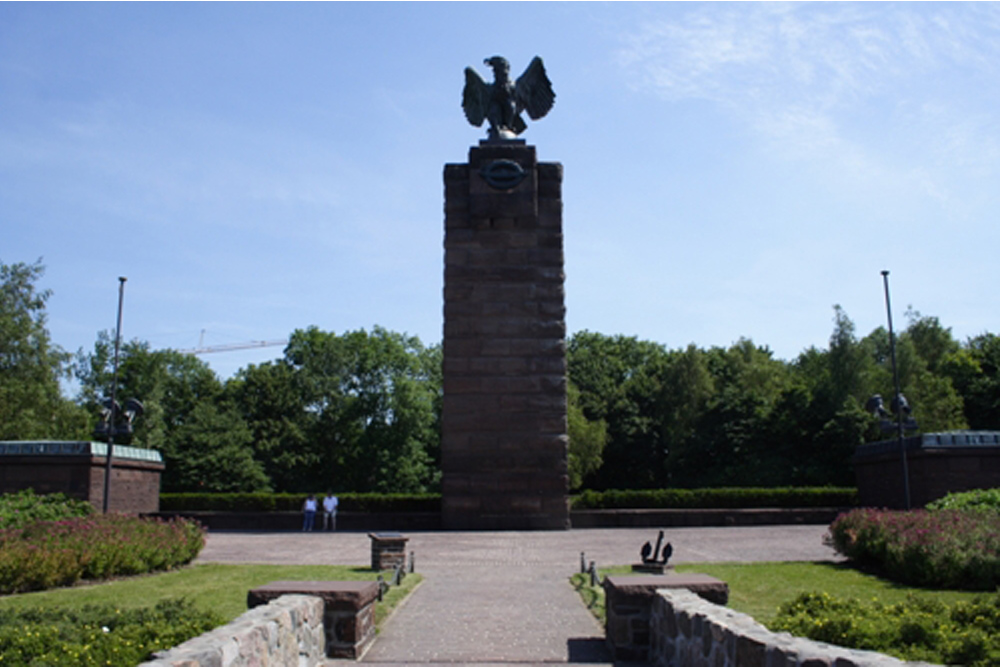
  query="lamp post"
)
[
  {"x": 113, "y": 404},
  {"x": 898, "y": 405}
]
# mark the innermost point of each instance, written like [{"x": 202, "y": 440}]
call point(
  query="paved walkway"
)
[{"x": 503, "y": 597}]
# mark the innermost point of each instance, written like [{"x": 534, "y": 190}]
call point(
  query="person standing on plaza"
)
[
  {"x": 309, "y": 512},
  {"x": 330, "y": 511}
]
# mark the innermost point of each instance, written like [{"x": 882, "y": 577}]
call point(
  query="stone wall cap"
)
[
  {"x": 654, "y": 581},
  {"x": 645, "y": 586},
  {"x": 357, "y": 593}
]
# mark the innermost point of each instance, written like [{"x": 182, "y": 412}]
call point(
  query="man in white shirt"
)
[{"x": 330, "y": 511}]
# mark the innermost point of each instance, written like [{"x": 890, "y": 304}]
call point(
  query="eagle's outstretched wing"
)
[
  {"x": 534, "y": 90},
  {"x": 475, "y": 97}
]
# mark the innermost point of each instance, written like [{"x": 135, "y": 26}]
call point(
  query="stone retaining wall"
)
[
  {"x": 687, "y": 631},
  {"x": 285, "y": 632}
]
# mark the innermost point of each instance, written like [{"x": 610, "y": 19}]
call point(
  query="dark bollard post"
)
[
  {"x": 593, "y": 573},
  {"x": 583, "y": 562},
  {"x": 413, "y": 561}
]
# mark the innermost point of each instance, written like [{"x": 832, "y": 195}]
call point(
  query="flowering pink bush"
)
[
  {"x": 946, "y": 548},
  {"x": 46, "y": 554}
]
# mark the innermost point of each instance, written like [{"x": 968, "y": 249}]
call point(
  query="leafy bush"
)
[
  {"x": 292, "y": 502},
  {"x": 722, "y": 498},
  {"x": 98, "y": 635},
  {"x": 945, "y": 548},
  {"x": 46, "y": 554},
  {"x": 987, "y": 500},
  {"x": 965, "y": 633},
  {"x": 25, "y": 507}
]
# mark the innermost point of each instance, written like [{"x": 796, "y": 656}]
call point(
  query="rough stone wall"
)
[
  {"x": 504, "y": 430},
  {"x": 687, "y": 631},
  {"x": 287, "y": 632}
]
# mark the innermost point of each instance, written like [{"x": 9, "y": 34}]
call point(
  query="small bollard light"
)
[
  {"x": 413, "y": 561},
  {"x": 593, "y": 573},
  {"x": 583, "y": 562},
  {"x": 381, "y": 587}
]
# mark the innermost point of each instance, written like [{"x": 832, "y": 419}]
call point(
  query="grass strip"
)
[
  {"x": 758, "y": 589},
  {"x": 217, "y": 587}
]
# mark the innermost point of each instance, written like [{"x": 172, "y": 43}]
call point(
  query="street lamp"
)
[
  {"x": 899, "y": 405},
  {"x": 111, "y": 424}
]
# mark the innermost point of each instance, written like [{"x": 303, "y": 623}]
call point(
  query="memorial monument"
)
[{"x": 504, "y": 429}]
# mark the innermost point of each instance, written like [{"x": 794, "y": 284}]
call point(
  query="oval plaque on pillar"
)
[{"x": 502, "y": 174}]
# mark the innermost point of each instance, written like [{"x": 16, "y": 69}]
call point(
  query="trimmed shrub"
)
[
  {"x": 965, "y": 633},
  {"x": 733, "y": 498},
  {"x": 25, "y": 507},
  {"x": 292, "y": 502},
  {"x": 723, "y": 498},
  {"x": 987, "y": 500},
  {"x": 956, "y": 549},
  {"x": 47, "y": 554},
  {"x": 98, "y": 635}
]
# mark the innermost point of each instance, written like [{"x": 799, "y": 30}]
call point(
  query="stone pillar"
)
[{"x": 504, "y": 431}]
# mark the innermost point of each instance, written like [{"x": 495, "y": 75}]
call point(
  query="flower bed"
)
[
  {"x": 46, "y": 554},
  {"x": 945, "y": 549}
]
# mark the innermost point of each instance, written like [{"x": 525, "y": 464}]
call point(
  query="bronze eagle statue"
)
[{"x": 502, "y": 101}]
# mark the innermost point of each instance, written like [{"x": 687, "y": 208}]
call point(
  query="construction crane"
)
[{"x": 231, "y": 347}]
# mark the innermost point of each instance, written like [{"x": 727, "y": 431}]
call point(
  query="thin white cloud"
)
[
  {"x": 821, "y": 55},
  {"x": 892, "y": 96}
]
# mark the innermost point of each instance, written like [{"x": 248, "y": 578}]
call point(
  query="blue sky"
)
[{"x": 731, "y": 170}]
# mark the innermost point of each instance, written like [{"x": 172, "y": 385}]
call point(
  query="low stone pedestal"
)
[
  {"x": 348, "y": 611},
  {"x": 388, "y": 550},
  {"x": 652, "y": 568},
  {"x": 629, "y": 604}
]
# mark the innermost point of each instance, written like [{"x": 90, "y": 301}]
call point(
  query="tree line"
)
[{"x": 360, "y": 411}]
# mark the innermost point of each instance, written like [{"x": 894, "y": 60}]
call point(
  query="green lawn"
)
[
  {"x": 758, "y": 589},
  {"x": 212, "y": 586}
]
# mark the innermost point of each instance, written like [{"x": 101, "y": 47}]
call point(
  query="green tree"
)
[
  {"x": 976, "y": 372},
  {"x": 686, "y": 391},
  {"x": 271, "y": 401},
  {"x": 933, "y": 342},
  {"x": 214, "y": 453},
  {"x": 373, "y": 396},
  {"x": 734, "y": 447},
  {"x": 619, "y": 382},
  {"x": 31, "y": 402},
  {"x": 172, "y": 387},
  {"x": 586, "y": 441}
]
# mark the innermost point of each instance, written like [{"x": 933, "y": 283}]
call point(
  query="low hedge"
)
[
  {"x": 982, "y": 500},
  {"x": 732, "y": 498},
  {"x": 723, "y": 498},
  {"x": 23, "y": 508},
  {"x": 98, "y": 636},
  {"x": 965, "y": 633},
  {"x": 292, "y": 502}
]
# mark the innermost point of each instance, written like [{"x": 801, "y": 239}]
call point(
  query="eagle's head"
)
[{"x": 499, "y": 64}]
